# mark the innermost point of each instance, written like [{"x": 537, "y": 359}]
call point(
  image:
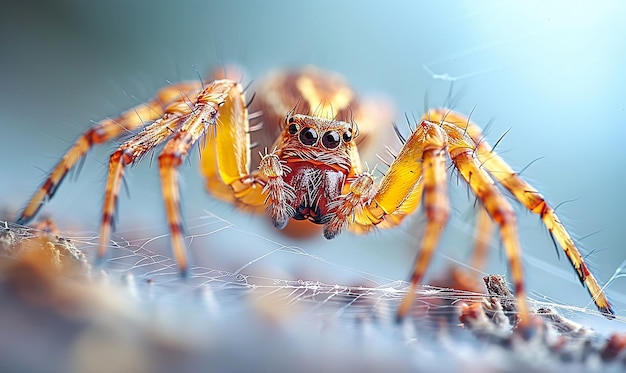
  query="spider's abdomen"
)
[{"x": 315, "y": 187}]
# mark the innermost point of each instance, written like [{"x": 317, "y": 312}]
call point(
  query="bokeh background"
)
[{"x": 551, "y": 73}]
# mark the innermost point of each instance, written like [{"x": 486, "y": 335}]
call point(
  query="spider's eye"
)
[
  {"x": 293, "y": 128},
  {"x": 331, "y": 139},
  {"x": 347, "y": 136},
  {"x": 308, "y": 136}
]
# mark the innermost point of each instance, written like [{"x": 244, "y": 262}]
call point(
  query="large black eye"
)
[
  {"x": 308, "y": 136},
  {"x": 331, "y": 139},
  {"x": 293, "y": 128},
  {"x": 291, "y": 122}
]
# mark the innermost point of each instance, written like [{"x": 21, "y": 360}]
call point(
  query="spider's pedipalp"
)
[
  {"x": 279, "y": 194},
  {"x": 346, "y": 206}
]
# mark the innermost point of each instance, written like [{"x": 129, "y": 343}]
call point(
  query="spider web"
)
[
  {"x": 269, "y": 291},
  {"x": 146, "y": 267},
  {"x": 310, "y": 278}
]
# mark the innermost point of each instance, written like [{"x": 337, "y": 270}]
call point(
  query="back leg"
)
[
  {"x": 528, "y": 196},
  {"x": 436, "y": 208},
  {"x": 102, "y": 132},
  {"x": 218, "y": 114},
  {"x": 484, "y": 233},
  {"x": 130, "y": 152},
  {"x": 502, "y": 213}
]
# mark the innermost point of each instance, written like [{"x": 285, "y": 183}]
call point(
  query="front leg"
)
[
  {"x": 219, "y": 115},
  {"x": 436, "y": 207},
  {"x": 397, "y": 196},
  {"x": 419, "y": 168}
]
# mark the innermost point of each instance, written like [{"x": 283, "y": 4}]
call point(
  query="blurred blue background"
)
[{"x": 552, "y": 73}]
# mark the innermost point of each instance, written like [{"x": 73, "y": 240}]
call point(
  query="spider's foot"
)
[
  {"x": 280, "y": 222},
  {"x": 279, "y": 213},
  {"x": 183, "y": 272},
  {"x": 100, "y": 260},
  {"x": 23, "y": 220},
  {"x": 529, "y": 330},
  {"x": 406, "y": 305},
  {"x": 330, "y": 231},
  {"x": 607, "y": 312},
  {"x": 399, "y": 319}
]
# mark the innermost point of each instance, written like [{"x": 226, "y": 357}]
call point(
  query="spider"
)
[{"x": 313, "y": 171}]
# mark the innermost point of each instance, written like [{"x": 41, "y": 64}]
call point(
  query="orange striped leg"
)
[
  {"x": 502, "y": 213},
  {"x": 203, "y": 115},
  {"x": 104, "y": 131},
  {"x": 484, "y": 232},
  {"x": 533, "y": 201},
  {"x": 436, "y": 206},
  {"x": 130, "y": 152}
]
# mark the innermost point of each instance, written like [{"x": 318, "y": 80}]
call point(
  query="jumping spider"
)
[{"x": 313, "y": 170}]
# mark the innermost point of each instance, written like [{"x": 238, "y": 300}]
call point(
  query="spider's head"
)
[
  {"x": 318, "y": 154},
  {"x": 322, "y": 141}
]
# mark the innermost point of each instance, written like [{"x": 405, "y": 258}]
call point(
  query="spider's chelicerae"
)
[{"x": 312, "y": 171}]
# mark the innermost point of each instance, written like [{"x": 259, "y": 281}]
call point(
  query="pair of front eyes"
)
[{"x": 309, "y": 136}]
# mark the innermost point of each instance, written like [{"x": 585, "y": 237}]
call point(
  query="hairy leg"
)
[{"x": 102, "y": 132}]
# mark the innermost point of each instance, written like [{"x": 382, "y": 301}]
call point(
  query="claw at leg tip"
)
[
  {"x": 184, "y": 272},
  {"x": 527, "y": 329},
  {"x": 399, "y": 319},
  {"x": 329, "y": 234},
  {"x": 100, "y": 260},
  {"x": 280, "y": 224},
  {"x": 607, "y": 312}
]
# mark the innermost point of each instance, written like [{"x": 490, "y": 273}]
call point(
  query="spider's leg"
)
[
  {"x": 398, "y": 195},
  {"x": 225, "y": 158},
  {"x": 484, "y": 234},
  {"x": 436, "y": 207},
  {"x": 223, "y": 98},
  {"x": 535, "y": 202},
  {"x": 419, "y": 168},
  {"x": 130, "y": 152},
  {"x": 102, "y": 132},
  {"x": 502, "y": 213}
]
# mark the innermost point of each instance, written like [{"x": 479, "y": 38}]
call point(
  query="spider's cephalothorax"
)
[
  {"x": 313, "y": 170},
  {"x": 316, "y": 158}
]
